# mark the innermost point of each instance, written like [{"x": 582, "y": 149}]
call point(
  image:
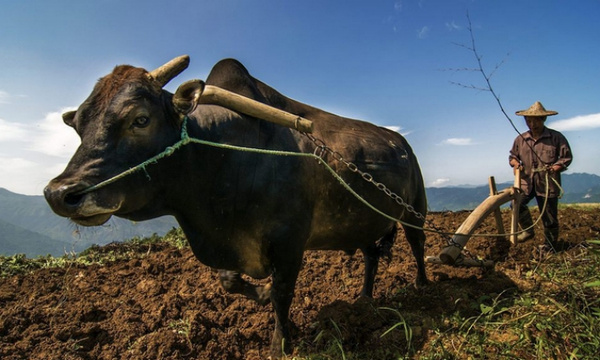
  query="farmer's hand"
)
[
  {"x": 516, "y": 165},
  {"x": 556, "y": 168}
]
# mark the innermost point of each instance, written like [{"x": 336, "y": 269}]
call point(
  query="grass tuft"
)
[{"x": 133, "y": 248}]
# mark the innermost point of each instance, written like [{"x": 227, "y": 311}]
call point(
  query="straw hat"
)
[{"x": 537, "y": 109}]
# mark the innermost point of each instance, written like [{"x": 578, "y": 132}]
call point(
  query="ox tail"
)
[{"x": 384, "y": 245}]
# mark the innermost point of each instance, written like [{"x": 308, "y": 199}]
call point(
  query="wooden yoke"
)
[{"x": 217, "y": 96}]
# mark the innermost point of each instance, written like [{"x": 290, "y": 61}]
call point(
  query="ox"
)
[{"x": 242, "y": 212}]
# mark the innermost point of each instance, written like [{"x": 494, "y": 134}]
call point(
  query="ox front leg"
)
[
  {"x": 282, "y": 294},
  {"x": 233, "y": 283}
]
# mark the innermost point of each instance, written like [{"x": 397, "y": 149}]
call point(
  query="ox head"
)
[{"x": 127, "y": 119}]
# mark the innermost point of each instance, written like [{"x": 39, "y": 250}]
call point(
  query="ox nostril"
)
[
  {"x": 63, "y": 199},
  {"x": 73, "y": 199}
]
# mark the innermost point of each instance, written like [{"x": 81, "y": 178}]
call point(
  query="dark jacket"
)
[{"x": 536, "y": 157}]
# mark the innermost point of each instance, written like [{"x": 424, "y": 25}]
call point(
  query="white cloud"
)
[
  {"x": 458, "y": 142},
  {"x": 398, "y": 5},
  {"x": 50, "y": 136},
  {"x": 3, "y": 97},
  {"x": 17, "y": 164},
  {"x": 23, "y": 176},
  {"x": 53, "y": 137},
  {"x": 452, "y": 26},
  {"x": 10, "y": 131},
  {"x": 583, "y": 122},
  {"x": 397, "y": 129},
  {"x": 24, "y": 170},
  {"x": 423, "y": 32},
  {"x": 439, "y": 182}
]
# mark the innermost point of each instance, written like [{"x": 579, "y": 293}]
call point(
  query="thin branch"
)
[
  {"x": 461, "y": 69},
  {"x": 486, "y": 77},
  {"x": 462, "y": 45},
  {"x": 473, "y": 87},
  {"x": 499, "y": 65}
]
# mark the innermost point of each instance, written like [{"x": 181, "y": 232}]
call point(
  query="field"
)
[{"x": 150, "y": 299}]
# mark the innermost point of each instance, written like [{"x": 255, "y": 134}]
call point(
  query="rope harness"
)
[
  {"x": 320, "y": 150},
  {"x": 318, "y": 154}
]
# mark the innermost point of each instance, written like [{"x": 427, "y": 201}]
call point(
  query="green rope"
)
[{"x": 185, "y": 139}]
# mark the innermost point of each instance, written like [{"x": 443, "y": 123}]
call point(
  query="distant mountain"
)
[
  {"x": 578, "y": 187},
  {"x": 28, "y": 226},
  {"x": 17, "y": 240},
  {"x": 581, "y": 188}
]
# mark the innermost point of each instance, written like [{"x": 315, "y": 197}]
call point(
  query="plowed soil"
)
[{"x": 163, "y": 304}]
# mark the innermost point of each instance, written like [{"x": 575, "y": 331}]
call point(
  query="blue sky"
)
[{"x": 395, "y": 63}]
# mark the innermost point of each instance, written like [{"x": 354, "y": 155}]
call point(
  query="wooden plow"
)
[{"x": 452, "y": 254}]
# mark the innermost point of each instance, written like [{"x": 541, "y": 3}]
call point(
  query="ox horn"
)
[{"x": 168, "y": 71}]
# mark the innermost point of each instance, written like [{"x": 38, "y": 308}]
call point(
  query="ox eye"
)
[{"x": 141, "y": 122}]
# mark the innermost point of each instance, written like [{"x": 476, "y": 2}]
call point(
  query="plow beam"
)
[{"x": 450, "y": 254}]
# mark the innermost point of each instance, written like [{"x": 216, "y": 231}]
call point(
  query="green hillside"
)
[
  {"x": 29, "y": 226},
  {"x": 16, "y": 240}
]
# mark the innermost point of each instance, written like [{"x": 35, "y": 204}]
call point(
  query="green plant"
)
[
  {"x": 133, "y": 248},
  {"x": 335, "y": 338},
  {"x": 594, "y": 250},
  {"x": 183, "y": 327},
  {"x": 403, "y": 324}
]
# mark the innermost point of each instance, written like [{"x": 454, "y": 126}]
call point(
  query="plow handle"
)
[{"x": 514, "y": 220}]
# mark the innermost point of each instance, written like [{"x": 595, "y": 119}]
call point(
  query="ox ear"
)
[
  {"x": 168, "y": 71},
  {"x": 187, "y": 96},
  {"x": 68, "y": 117}
]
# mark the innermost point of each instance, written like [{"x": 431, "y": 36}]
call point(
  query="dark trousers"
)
[{"x": 550, "y": 214}]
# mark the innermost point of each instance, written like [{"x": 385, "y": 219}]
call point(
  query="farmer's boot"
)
[
  {"x": 551, "y": 236},
  {"x": 526, "y": 223}
]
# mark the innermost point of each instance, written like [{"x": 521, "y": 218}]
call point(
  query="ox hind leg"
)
[
  {"x": 416, "y": 239},
  {"x": 285, "y": 274},
  {"x": 233, "y": 283},
  {"x": 372, "y": 254}
]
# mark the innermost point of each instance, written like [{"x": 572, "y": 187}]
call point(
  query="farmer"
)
[{"x": 541, "y": 154}]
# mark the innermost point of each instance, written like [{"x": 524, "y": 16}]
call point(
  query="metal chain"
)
[{"x": 322, "y": 148}]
